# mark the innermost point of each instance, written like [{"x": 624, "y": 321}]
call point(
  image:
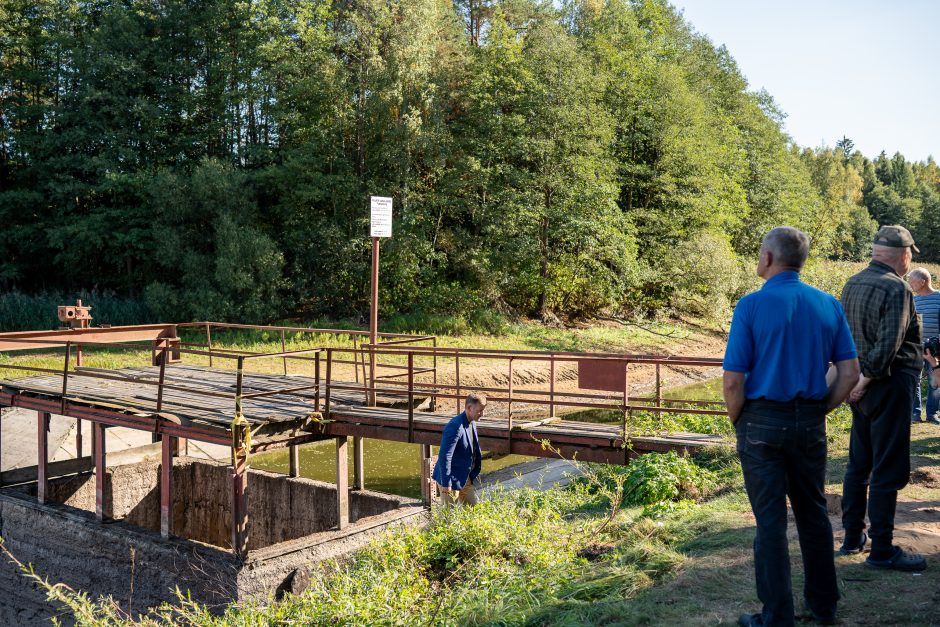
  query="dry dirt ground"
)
[{"x": 527, "y": 375}]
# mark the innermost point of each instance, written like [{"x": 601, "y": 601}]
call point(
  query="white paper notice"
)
[{"x": 381, "y": 216}]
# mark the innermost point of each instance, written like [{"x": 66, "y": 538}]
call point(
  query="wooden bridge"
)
[{"x": 325, "y": 393}]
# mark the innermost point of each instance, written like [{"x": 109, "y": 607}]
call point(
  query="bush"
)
[
  {"x": 655, "y": 478},
  {"x": 706, "y": 277}
]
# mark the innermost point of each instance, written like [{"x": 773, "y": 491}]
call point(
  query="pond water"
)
[
  {"x": 394, "y": 467},
  {"x": 391, "y": 467}
]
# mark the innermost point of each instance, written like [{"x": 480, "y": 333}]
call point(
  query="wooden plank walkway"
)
[
  {"x": 192, "y": 393},
  {"x": 205, "y": 396}
]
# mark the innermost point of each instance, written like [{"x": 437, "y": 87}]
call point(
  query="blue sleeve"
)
[
  {"x": 739, "y": 352},
  {"x": 844, "y": 346},
  {"x": 448, "y": 446}
]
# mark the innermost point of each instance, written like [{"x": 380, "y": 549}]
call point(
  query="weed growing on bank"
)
[{"x": 517, "y": 558}]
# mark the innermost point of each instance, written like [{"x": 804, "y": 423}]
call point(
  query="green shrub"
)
[
  {"x": 706, "y": 277},
  {"x": 26, "y": 312},
  {"x": 655, "y": 478}
]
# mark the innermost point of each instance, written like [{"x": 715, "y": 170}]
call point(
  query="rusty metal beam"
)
[
  {"x": 159, "y": 424},
  {"x": 19, "y": 340}
]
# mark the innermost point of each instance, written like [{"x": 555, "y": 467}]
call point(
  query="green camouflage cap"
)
[{"x": 895, "y": 236}]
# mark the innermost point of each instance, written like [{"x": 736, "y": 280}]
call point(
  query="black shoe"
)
[
  {"x": 900, "y": 560},
  {"x": 824, "y": 618},
  {"x": 934, "y": 420},
  {"x": 855, "y": 548},
  {"x": 820, "y": 619},
  {"x": 750, "y": 620}
]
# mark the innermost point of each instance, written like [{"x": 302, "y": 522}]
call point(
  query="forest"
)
[{"x": 214, "y": 159}]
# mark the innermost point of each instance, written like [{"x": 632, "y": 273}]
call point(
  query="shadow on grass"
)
[{"x": 926, "y": 446}]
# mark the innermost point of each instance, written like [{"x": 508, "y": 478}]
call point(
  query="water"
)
[{"x": 390, "y": 467}]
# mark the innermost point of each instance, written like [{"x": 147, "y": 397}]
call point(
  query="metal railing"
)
[{"x": 405, "y": 361}]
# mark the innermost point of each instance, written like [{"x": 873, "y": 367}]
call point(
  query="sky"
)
[{"x": 863, "y": 69}]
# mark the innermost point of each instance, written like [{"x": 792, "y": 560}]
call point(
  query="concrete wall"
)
[
  {"x": 287, "y": 522},
  {"x": 280, "y": 508},
  {"x": 69, "y": 546}
]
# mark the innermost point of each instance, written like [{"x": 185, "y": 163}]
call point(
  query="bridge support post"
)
[
  {"x": 426, "y": 470},
  {"x": 294, "y": 461},
  {"x": 99, "y": 441},
  {"x": 240, "y": 507},
  {"x": 42, "y": 464},
  {"x": 342, "y": 483},
  {"x": 168, "y": 452},
  {"x": 359, "y": 468}
]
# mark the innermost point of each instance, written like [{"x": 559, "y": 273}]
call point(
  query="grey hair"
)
[
  {"x": 789, "y": 246},
  {"x": 921, "y": 273},
  {"x": 475, "y": 398}
]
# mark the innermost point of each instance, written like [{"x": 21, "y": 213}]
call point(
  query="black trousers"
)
[
  {"x": 782, "y": 447},
  {"x": 879, "y": 458}
]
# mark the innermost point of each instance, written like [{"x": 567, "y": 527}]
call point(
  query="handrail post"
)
[
  {"x": 284, "y": 350},
  {"x": 434, "y": 382},
  {"x": 411, "y": 396},
  {"x": 209, "y": 342},
  {"x": 239, "y": 377},
  {"x": 162, "y": 376},
  {"x": 355, "y": 339},
  {"x": 457, "y": 368},
  {"x": 329, "y": 368},
  {"x": 659, "y": 393},
  {"x": 551, "y": 385},
  {"x": 626, "y": 412},
  {"x": 509, "y": 434},
  {"x": 316, "y": 376},
  {"x": 65, "y": 381}
]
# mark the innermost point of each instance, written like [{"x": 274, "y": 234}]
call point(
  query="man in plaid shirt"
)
[{"x": 880, "y": 310}]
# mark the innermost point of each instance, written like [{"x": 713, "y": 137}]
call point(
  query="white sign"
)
[{"x": 381, "y": 216}]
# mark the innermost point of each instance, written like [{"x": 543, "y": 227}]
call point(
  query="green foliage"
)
[
  {"x": 22, "y": 312},
  {"x": 655, "y": 478},
  {"x": 215, "y": 160}
]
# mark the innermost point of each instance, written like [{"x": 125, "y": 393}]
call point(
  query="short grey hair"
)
[
  {"x": 789, "y": 246},
  {"x": 921, "y": 273},
  {"x": 475, "y": 398}
]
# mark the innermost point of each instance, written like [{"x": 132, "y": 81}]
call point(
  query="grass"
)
[
  {"x": 577, "y": 556},
  {"x": 600, "y": 552}
]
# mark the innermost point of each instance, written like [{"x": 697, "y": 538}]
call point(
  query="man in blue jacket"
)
[{"x": 460, "y": 458}]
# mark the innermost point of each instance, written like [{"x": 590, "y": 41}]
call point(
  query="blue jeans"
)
[
  {"x": 782, "y": 447},
  {"x": 933, "y": 395}
]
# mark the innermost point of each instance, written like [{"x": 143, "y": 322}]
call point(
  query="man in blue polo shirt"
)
[{"x": 783, "y": 338}]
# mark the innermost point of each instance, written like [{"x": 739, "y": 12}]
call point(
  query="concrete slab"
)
[{"x": 539, "y": 474}]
